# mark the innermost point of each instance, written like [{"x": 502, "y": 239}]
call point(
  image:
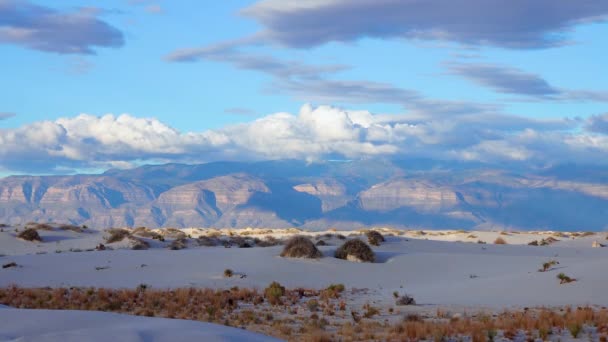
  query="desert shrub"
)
[
  {"x": 481, "y": 242},
  {"x": 274, "y": 292},
  {"x": 341, "y": 237},
  {"x": 71, "y": 227},
  {"x": 405, "y": 300},
  {"x": 228, "y": 273},
  {"x": 29, "y": 234},
  {"x": 355, "y": 250},
  {"x": 500, "y": 241},
  {"x": 533, "y": 243},
  {"x": 38, "y": 226},
  {"x": 268, "y": 241},
  {"x": 548, "y": 241},
  {"x": 333, "y": 291},
  {"x": 117, "y": 234},
  {"x": 321, "y": 243},
  {"x": 178, "y": 244},
  {"x": 374, "y": 238},
  {"x": 300, "y": 247},
  {"x": 370, "y": 311},
  {"x": 564, "y": 279},
  {"x": 174, "y": 233},
  {"x": 4, "y": 225},
  {"x": 547, "y": 265},
  {"x": 138, "y": 244},
  {"x": 147, "y": 233},
  {"x": 10, "y": 264},
  {"x": 207, "y": 241}
]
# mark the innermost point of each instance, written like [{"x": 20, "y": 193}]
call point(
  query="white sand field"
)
[
  {"x": 444, "y": 269},
  {"x": 78, "y": 326}
]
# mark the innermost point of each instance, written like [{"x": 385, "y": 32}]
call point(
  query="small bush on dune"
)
[
  {"x": 274, "y": 292},
  {"x": 147, "y": 233},
  {"x": 547, "y": 265},
  {"x": 500, "y": 241},
  {"x": 564, "y": 279},
  {"x": 207, "y": 241},
  {"x": 300, "y": 247},
  {"x": 38, "y": 226},
  {"x": 405, "y": 300},
  {"x": 117, "y": 234},
  {"x": 321, "y": 243},
  {"x": 30, "y": 234},
  {"x": 178, "y": 244},
  {"x": 138, "y": 244},
  {"x": 355, "y": 250},
  {"x": 268, "y": 241},
  {"x": 374, "y": 238},
  {"x": 228, "y": 273},
  {"x": 173, "y": 233},
  {"x": 72, "y": 228},
  {"x": 533, "y": 243}
]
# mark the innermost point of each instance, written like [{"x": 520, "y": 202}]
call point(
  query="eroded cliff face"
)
[
  {"x": 419, "y": 194},
  {"x": 485, "y": 198}
]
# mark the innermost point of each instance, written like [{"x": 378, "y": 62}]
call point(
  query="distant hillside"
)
[{"x": 349, "y": 194}]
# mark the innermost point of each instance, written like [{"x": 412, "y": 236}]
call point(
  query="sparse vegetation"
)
[
  {"x": 228, "y": 273},
  {"x": 178, "y": 244},
  {"x": 405, "y": 300},
  {"x": 274, "y": 292},
  {"x": 10, "y": 264},
  {"x": 564, "y": 279},
  {"x": 300, "y": 247},
  {"x": 138, "y": 244},
  {"x": 38, "y": 226},
  {"x": 547, "y": 265},
  {"x": 500, "y": 241},
  {"x": 355, "y": 250},
  {"x": 72, "y": 228},
  {"x": 30, "y": 234},
  {"x": 147, "y": 233},
  {"x": 533, "y": 243},
  {"x": 117, "y": 234},
  {"x": 245, "y": 308},
  {"x": 374, "y": 237}
]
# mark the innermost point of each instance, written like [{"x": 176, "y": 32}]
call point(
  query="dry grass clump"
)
[
  {"x": 207, "y": 241},
  {"x": 500, "y": 241},
  {"x": 38, "y": 226},
  {"x": 355, "y": 250},
  {"x": 547, "y": 265},
  {"x": 173, "y": 233},
  {"x": 301, "y": 247},
  {"x": 117, "y": 234},
  {"x": 72, "y": 227},
  {"x": 138, "y": 244},
  {"x": 405, "y": 300},
  {"x": 246, "y": 308},
  {"x": 374, "y": 238},
  {"x": 564, "y": 279},
  {"x": 268, "y": 241},
  {"x": 274, "y": 292},
  {"x": 30, "y": 234},
  {"x": 228, "y": 273},
  {"x": 178, "y": 244},
  {"x": 147, "y": 233}
]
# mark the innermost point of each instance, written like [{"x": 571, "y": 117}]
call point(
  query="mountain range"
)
[{"x": 417, "y": 193}]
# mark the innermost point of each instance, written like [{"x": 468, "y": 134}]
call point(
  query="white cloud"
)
[{"x": 315, "y": 133}]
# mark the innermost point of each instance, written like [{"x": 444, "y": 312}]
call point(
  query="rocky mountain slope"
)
[{"x": 413, "y": 194}]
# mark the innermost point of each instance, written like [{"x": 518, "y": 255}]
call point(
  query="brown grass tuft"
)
[
  {"x": 301, "y": 247},
  {"x": 357, "y": 250},
  {"x": 30, "y": 234}
]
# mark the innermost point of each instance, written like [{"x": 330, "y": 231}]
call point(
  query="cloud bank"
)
[
  {"x": 517, "y": 24},
  {"x": 42, "y": 28},
  {"x": 315, "y": 133}
]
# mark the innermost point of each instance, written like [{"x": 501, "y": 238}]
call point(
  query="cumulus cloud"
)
[
  {"x": 519, "y": 24},
  {"x": 315, "y": 133},
  {"x": 46, "y": 29},
  {"x": 509, "y": 80},
  {"x": 598, "y": 123}
]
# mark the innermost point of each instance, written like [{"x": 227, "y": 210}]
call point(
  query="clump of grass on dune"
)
[
  {"x": 117, "y": 234},
  {"x": 355, "y": 250},
  {"x": 30, "y": 234},
  {"x": 301, "y": 247},
  {"x": 374, "y": 237}
]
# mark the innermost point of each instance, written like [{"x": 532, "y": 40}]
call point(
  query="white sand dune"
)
[
  {"x": 436, "y": 273},
  {"x": 78, "y": 326}
]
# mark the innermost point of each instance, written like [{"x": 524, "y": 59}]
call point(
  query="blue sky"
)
[{"x": 465, "y": 79}]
